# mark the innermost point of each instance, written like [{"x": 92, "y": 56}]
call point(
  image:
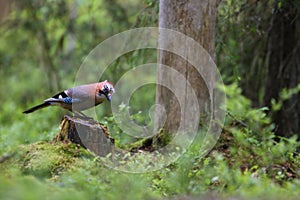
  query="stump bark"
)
[{"x": 87, "y": 133}]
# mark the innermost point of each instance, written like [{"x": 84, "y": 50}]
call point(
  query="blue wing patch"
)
[{"x": 68, "y": 100}]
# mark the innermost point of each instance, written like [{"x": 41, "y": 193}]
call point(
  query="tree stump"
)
[{"x": 87, "y": 133}]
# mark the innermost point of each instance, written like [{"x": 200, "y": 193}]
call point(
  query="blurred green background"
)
[{"x": 43, "y": 44}]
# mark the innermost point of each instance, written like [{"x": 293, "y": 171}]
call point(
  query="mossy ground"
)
[
  {"x": 247, "y": 162},
  {"x": 231, "y": 169}
]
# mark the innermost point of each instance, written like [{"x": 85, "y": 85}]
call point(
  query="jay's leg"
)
[{"x": 81, "y": 115}]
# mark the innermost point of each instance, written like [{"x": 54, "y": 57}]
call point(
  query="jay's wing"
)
[
  {"x": 62, "y": 97},
  {"x": 77, "y": 98}
]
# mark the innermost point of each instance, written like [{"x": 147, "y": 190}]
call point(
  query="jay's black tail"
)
[{"x": 40, "y": 106}]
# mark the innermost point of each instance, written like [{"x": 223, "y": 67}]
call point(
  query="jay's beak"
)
[{"x": 108, "y": 97}]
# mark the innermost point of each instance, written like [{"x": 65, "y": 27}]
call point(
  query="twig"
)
[{"x": 239, "y": 121}]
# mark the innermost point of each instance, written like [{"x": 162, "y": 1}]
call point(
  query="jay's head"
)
[{"x": 106, "y": 89}]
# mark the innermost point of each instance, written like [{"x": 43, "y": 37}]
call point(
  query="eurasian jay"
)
[{"x": 79, "y": 98}]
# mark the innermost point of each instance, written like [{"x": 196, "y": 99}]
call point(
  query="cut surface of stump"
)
[{"x": 87, "y": 133}]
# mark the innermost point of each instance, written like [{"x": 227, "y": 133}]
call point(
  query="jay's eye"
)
[{"x": 105, "y": 89}]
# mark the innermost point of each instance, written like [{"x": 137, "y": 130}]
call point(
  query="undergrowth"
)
[{"x": 246, "y": 163}]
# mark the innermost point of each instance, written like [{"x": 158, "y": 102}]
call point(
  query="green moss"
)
[{"x": 46, "y": 160}]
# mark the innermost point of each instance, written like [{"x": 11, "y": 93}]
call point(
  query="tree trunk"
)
[
  {"x": 5, "y": 9},
  {"x": 196, "y": 19},
  {"x": 283, "y": 67},
  {"x": 87, "y": 133}
]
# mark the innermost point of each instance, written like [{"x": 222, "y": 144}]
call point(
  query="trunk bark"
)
[
  {"x": 87, "y": 133},
  {"x": 283, "y": 67},
  {"x": 196, "y": 19}
]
